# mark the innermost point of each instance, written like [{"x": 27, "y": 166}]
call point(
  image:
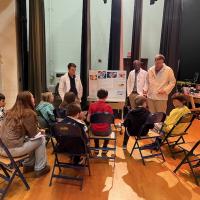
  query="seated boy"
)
[
  {"x": 100, "y": 129},
  {"x": 135, "y": 119},
  {"x": 2, "y": 105},
  {"x": 180, "y": 109},
  {"x": 73, "y": 112}
]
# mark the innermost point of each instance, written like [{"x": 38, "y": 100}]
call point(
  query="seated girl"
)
[
  {"x": 69, "y": 98},
  {"x": 180, "y": 109},
  {"x": 20, "y": 134},
  {"x": 45, "y": 108}
]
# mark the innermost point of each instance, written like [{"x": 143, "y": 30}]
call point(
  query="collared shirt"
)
[
  {"x": 141, "y": 83},
  {"x": 2, "y": 114},
  {"x": 135, "y": 82},
  {"x": 162, "y": 80},
  {"x": 73, "y": 85}
]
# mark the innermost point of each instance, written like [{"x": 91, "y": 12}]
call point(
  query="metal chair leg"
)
[
  {"x": 22, "y": 178},
  {"x": 133, "y": 148},
  {"x": 52, "y": 174}
]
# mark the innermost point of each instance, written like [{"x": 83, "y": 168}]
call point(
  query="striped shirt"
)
[{"x": 2, "y": 114}]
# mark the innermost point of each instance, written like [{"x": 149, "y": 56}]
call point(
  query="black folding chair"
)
[
  {"x": 44, "y": 124},
  {"x": 173, "y": 140},
  {"x": 69, "y": 141},
  {"x": 153, "y": 118},
  {"x": 192, "y": 155},
  {"x": 108, "y": 118},
  {"x": 9, "y": 167}
]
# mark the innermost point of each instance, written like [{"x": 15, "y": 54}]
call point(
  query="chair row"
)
[{"x": 175, "y": 142}]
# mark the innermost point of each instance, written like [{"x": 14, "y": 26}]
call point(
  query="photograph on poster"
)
[
  {"x": 112, "y": 81},
  {"x": 101, "y": 74},
  {"x": 112, "y": 74}
]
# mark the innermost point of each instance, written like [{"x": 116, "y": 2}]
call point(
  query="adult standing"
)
[
  {"x": 160, "y": 81},
  {"x": 136, "y": 83},
  {"x": 70, "y": 82}
]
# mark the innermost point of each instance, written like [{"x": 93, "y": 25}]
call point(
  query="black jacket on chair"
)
[
  {"x": 82, "y": 126},
  {"x": 135, "y": 119}
]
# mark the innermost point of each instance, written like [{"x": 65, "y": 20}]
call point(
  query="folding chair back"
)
[
  {"x": 192, "y": 155},
  {"x": 102, "y": 117},
  {"x": 107, "y": 118},
  {"x": 42, "y": 122},
  {"x": 69, "y": 138},
  {"x": 152, "y": 119},
  {"x": 59, "y": 113},
  {"x": 177, "y": 133},
  {"x": 158, "y": 117},
  {"x": 10, "y": 167},
  {"x": 183, "y": 124}
]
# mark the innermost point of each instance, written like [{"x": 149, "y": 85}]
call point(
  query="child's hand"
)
[{"x": 43, "y": 131}]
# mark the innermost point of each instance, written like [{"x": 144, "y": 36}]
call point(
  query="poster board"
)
[{"x": 114, "y": 81}]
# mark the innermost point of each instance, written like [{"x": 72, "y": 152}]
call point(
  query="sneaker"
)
[
  {"x": 27, "y": 169},
  {"x": 82, "y": 161},
  {"x": 43, "y": 171},
  {"x": 104, "y": 153},
  {"x": 124, "y": 147},
  {"x": 96, "y": 152}
]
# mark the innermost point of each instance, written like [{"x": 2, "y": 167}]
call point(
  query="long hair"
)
[
  {"x": 69, "y": 97},
  {"x": 23, "y": 101}
]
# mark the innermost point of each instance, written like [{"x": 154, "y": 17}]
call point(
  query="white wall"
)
[
  {"x": 8, "y": 52},
  {"x": 63, "y": 34},
  {"x": 64, "y": 24},
  {"x": 100, "y": 30},
  {"x": 100, "y": 33},
  {"x": 151, "y": 29},
  {"x": 128, "y": 12}
]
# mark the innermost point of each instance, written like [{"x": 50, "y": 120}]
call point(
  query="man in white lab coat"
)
[
  {"x": 160, "y": 81},
  {"x": 136, "y": 83},
  {"x": 70, "y": 82}
]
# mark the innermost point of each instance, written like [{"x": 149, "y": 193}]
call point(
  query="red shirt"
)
[{"x": 100, "y": 106}]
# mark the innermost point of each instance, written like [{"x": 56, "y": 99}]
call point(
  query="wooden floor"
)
[{"x": 129, "y": 180}]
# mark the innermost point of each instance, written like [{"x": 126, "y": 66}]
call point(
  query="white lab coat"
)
[
  {"x": 141, "y": 82},
  {"x": 164, "y": 80},
  {"x": 64, "y": 86}
]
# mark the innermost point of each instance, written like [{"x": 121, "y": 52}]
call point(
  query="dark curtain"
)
[
  {"x": 137, "y": 27},
  {"x": 171, "y": 33},
  {"x": 171, "y": 37},
  {"x": 115, "y": 32},
  {"x": 37, "y": 49},
  {"x": 22, "y": 53},
  {"x": 85, "y": 50}
]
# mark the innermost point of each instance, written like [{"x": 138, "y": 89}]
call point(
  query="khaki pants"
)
[
  {"x": 132, "y": 97},
  {"x": 36, "y": 150},
  {"x": 157, "y": 105}
]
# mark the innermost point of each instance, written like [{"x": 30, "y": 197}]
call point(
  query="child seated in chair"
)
[
  {"x": 180, "y": 110},
  {"x": 69, "y": 98},
  {"x": 102, "y": 129},
  {"x": 135, "y": 119},
  {"x": 2, "y": 105},
  {"x": 73, "y": 112},
  {"x": 45, "y": 108}
]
